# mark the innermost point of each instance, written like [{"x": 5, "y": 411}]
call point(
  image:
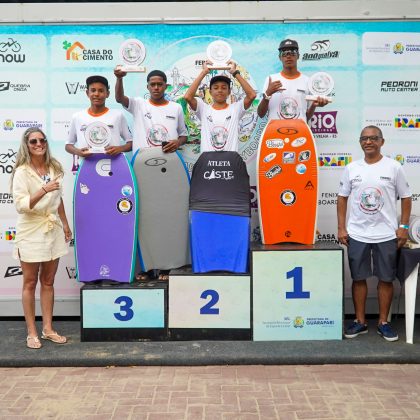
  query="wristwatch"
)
[
  {"x": 235, "y": 73},
  {"x": 404, "y": 226},
  {"x": 267, "y": 97}
]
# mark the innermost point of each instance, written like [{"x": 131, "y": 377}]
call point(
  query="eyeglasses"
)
[
  {"x": 39, "y": 140},
  {"x": 285, "y": 53},
  {"x": 364, "y": 139}
]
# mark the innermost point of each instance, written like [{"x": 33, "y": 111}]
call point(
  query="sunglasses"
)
[
  {"x": 285, "y": 53},
  {"x": 364, "y": 139},
  {"x": 39, "y": 140}
]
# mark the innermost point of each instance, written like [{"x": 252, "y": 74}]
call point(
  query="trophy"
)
[
  {"x": 132, "y": 53},
  {"x": 98, "y": 136},
  {"x": 219, "y": 53},
  {"x": 320, "y": 84}
]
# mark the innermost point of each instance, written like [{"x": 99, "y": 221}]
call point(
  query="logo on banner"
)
[
  {"x": 74, "y": 87},
  {"x": 13, "y": 271},
  {"x": 10, "y": 235},
  {"x": 14, "y": 87},
  {"x": 309, "y": 186},
  {"x": 334, "y": 160},
  {"x": 323, "y": 122},
  {"x": 71, "y": 272},
  {"x": 9, "y": 125},
  {"x": 4, "y": 86},
  {"x": 6, "y": 198},
  {"x": 298, "y": 322},
  {"x": 9, "y": 50},
  {"x": 321, "y": 51},
  {"x": 76, "y": 51},
  {"x": 409, "y": 121},
  {"x": 327, "y": 237},
  {"x": 398, "y": 48},
  {"x": 7, "y": 161},
  {"x": 399, "y": 86},
  {"x": 328, "y": 199}
]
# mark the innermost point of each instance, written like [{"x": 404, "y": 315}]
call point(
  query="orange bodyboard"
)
[{"x": 287, "y": 183}]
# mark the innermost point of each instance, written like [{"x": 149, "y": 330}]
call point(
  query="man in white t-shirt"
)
[
  {"x": 284, "y": 93},
  {"x": 98, "y": 121},
  {"x": 220, "y": 120},
  {"x": 157, "y": 121},
  {"x": 372, "y": 233}
]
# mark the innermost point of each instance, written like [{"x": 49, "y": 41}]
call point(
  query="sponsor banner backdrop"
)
[{"x": 376, "y": 75}]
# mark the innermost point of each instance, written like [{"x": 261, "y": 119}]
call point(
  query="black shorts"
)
[{"x": 379, "y": 259}]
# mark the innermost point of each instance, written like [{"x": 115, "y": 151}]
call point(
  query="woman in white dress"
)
[{"x": 42, "y": 229}]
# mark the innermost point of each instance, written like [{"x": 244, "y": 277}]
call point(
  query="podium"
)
[
  {"x": 297, "y": 292},
  {"x": 213, "y": 306},
  {"x": 123, "y": 312}
]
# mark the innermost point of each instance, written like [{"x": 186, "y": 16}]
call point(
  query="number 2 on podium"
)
[{"x": 297, "y": 275}]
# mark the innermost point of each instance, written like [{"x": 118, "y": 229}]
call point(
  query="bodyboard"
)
[
  {"x": 164, "y": 186},
  {"x": 287, "y": 183},
  {"x": 105, "y": 219}
]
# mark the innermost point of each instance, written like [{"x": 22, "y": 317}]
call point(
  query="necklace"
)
[{"x": 45, "y": 177}]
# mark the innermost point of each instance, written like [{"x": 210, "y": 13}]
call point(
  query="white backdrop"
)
[{"x": 42, "y": 82}]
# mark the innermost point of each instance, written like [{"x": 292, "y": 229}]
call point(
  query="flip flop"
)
[
  {"x": 142, "y": 277},
  {"x": 163, "y": 276},
  {"x": 54, "y": 337},
  {"x": 33, "y": 342}
]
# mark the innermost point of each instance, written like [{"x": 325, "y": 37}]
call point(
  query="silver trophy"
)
[
  {"x": 132, "y": 53},
  {"x": 219, "y": 53},
  {"x": 98, "y": 136},
  {"x": 320, "y": 85}
]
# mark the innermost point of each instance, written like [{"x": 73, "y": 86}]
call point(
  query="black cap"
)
[
  {"x": 220, "y": 78},
  {"x": 288, "y": 44}
]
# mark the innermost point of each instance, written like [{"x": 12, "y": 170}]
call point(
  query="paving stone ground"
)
[{"x": 212, "y": 392}]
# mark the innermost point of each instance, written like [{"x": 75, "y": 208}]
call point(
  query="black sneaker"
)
[
  {"x": 355, "y": 329},
  {"x": 387, "y": 332}
]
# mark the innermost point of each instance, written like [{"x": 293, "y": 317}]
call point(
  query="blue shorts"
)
[{"x": 379, "y": 259}]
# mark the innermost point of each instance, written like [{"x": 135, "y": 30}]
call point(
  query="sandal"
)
[
  {"x": 33, "y": 342},
  {"x": 142, "y": 277},
  {"x": 54, "y": 337},
  {"x": 163, "y": 275}
]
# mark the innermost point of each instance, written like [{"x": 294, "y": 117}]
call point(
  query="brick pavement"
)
[{"x": 212, "y": 392}]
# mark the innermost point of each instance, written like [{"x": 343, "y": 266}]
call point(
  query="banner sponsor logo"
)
[
  {"x": 320, "y": 50},
  {"x": 9, "y": 124},
  {"x": 327, "y": 199},
  {"x": 75, "y": 87},
  {"x": 76, "y": 51},
  {"x": 324, "y": 124},
  {"x": 10, "y": 51},
  {"x": 13, "y": 271},
  {"x": 7, "y": 161},
  {"x": 399, "y": 86},
  {"x": 334, "y": 160},
  {"x": 407, "y": 121}
]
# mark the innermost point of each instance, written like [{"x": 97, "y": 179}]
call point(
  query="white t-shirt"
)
[
  {"x": 220, "y": 127},
  {"x": 155, "y": 123},
  {"x": 83, "y": 120},
  {"x": 373, "y": 190},
  {"x": 289, "y": 103}
]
